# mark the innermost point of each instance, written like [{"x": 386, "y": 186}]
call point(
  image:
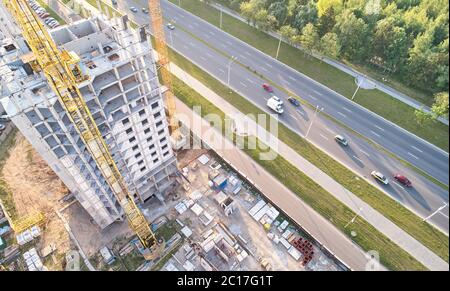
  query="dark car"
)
[
  {"x": 294, "y": 101},
  {"x": 403, "y": 180},
  {"x": 267, "y": 87}
]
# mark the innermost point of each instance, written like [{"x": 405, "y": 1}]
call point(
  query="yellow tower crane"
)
[
  {"x": 62, "y": 71},
  {"x": 166, "y": 78}
]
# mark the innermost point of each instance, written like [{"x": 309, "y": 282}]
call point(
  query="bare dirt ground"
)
[{"x": 35, "y": 187}]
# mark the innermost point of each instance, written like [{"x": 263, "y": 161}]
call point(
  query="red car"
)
[
  {"x": 403, "y": 180},
  {"x": 267, "y": 87}
]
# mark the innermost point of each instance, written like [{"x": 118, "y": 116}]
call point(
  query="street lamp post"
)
[
  {"x": 317, "y": 110},
  {"x": 437, "y": 210},
  {"x": 179, "y": 3},
  {"x": 232, "y": 59},
  {"x": 354, "y": 218},
  {"x": 359, "y": 86},
  {"x": 279, "y": 46},
  {"x": 221, "y": 16}
]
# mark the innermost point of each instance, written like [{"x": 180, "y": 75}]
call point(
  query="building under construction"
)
[{"x": 124, "y": 97}]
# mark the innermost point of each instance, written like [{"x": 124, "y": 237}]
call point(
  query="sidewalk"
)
[
  {"x": 388, "y": 228},
  {"x": 346, "y": 69}
]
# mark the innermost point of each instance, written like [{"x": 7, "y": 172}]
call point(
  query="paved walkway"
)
[
  {"x": 384, "y": 225},
  {"x": 346, "y": 69}
]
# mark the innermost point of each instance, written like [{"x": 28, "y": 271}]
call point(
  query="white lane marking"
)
[
  {"x": 209, "y": 55},
  {"x": 356, "y": 158},
  {"x": 203, "y": 58},
  {"x": 229, "y": 42},
  {"x": 380, "y": 128},
  {"x": 292, "y": 115},
  {"x": 248, "y": 54},
  {"x": 399, "y": 185},
  {"x": 364, "y": 153},
  {"x": 342, "y": 114},
  {"x": 346, "y": 109},
  {"x": 317, "y": 92},
  {"x": 250, "y": 80},
  {"x": 446, "y": 216},
  {"x": 329, "y": 130},
  {"x": 222, "y": 70},
  {"x": 417, "y": 149},
  {"x": 264, "y": 69},
  {"x": 243, "y": 84},
  {"x": 242, "y": 57},
  {"x": 374, "y": 133},
  {"x": 196, "y": 24},
  {"x": 301, "y": 113},
  {"x": 191, "y": 44},
  {"x": 289, "y": 84},
  {"x": 312, "y": 97},
  {"x": 292, "y": 78},
  {"x": 224, "y": 46},
  {"x": 269, "y": 65},
  {"x": 323, "y": 136},
  {"x": 185, "y": 46},
  {"x": 413, "y": 156},
  {"x": 212, "y": 33}
]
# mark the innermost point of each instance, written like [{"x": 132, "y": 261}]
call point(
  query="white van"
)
[{"x": 275, "y": 104}]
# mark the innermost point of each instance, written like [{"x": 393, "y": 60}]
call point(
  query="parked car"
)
[
  {"x": 134, "y": 9},
  {"x": 341, "y": 140},
  {"x": 380, "y": 177},
  {"x": 403, "y": 180},
  {"x": 294, "y": 101},
  {"x": 170, "y": 26},
  {"x": 267, "y": 87},
  {"x": 2, "y": 127},
  {"x": 144, "y": 10},
  {"x": 49, "y": 19}
]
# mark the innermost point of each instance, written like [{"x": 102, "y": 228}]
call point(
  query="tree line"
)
[{"x": 408, "y": 39}]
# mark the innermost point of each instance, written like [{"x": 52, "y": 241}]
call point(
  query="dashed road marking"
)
[
  {"x": 243, "y": 84},
  {"x": 396, "y": 183},
  {"x": 374, "y": 133},
  {"x": 417, "y": 149},
  {"x": 329, "y": 130},
  {"x": 203, "y": 58},
  {"x": 292, "y": 115},
  {"x": 417, "y": 158},
  {"x": 229, "y": 42},
  {"x": 248, "y": 54},
  {"x": 312, "y": 97},
  {"x": 222, "y": 70},
  {"x": 287, "y": 82},
  {"x": 364, "y": 153},
  {"x": 212, "y": 33},
  {"x": 317, "y": 92},
  {"x": 191, "y": 44},
  {"x": 250, "y": 80},
  {"x": 358, "y": 159},
  {"x": 341, "y": 114},
  {"x": 196, "y": 24},
  {"x": 264, "y": 69},
  {"x": 209, "y": 55},
  {"x": 323, "y": 136},
  {"x": 185, "y": 46},
  {"x": 292, "y": 78},
  {"x": 346, "y": 109},
  {"x": 269, "y": 65},
  {"x": 380, "y": 128}
]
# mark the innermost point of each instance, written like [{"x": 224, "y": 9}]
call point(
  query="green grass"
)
[
  {"x": 166, "y": 231},
  {"x": 51, "y": 12},
  {"x": 375, "y": 100},
  {"x": 391, "y": 255},
  {"x": 167, "y": 256},
  {"x": 5, "y": 193},
  {"x": 397, "y": 213}
]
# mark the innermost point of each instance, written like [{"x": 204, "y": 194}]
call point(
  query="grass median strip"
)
[
  {"x": 391, "y": 255},
  {"x": 397, "y": 213},
  {"x": 375, "y": 100}
]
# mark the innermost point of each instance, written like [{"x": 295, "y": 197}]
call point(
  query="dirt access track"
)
[{"x": 35, "y": 187}]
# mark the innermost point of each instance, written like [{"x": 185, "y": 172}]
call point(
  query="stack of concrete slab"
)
[{"x": 33, "y": 260}]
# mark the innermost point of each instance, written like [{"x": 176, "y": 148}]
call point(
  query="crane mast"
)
[{"x": 61, "y": 68}]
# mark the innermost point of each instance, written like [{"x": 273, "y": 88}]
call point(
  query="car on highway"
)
[
  {"x": 114, "y": 2},
  {"x": 275, "y": 104},
  {"x": 144, "y": 10},
  {"x": 341, "y": 140},
  {"x": 170, "y": 26},
  {"x": 267, "y": 87},
  {"x": 380, "y": 177},
  {"x": 2, "y": 127},
  {"x": 403, "y": 180},
  {"x": 133, "y": 9},
  {"x": 294, "y": 101}
]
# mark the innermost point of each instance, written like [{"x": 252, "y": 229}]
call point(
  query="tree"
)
[
  {"x": 440, "y": 106},
  {"x": 390, "y": 42},
  {"x": 324, "y": 5},
  {"x": 353, "y": 36},
  {"x": 326, "y": 22},
  {"x": 329, "y": 45},
  {"x": 306, "y": 14},
  {"x": 250, "y": 9},
  {"x": 423, "y": 118},
  {"x": 279, "y": 11},
  {"x": 287, "y": 32},
  {"x": 309, "y": 38}
]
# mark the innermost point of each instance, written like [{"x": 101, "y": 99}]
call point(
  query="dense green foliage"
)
[{"x": 405, "y": 38}]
